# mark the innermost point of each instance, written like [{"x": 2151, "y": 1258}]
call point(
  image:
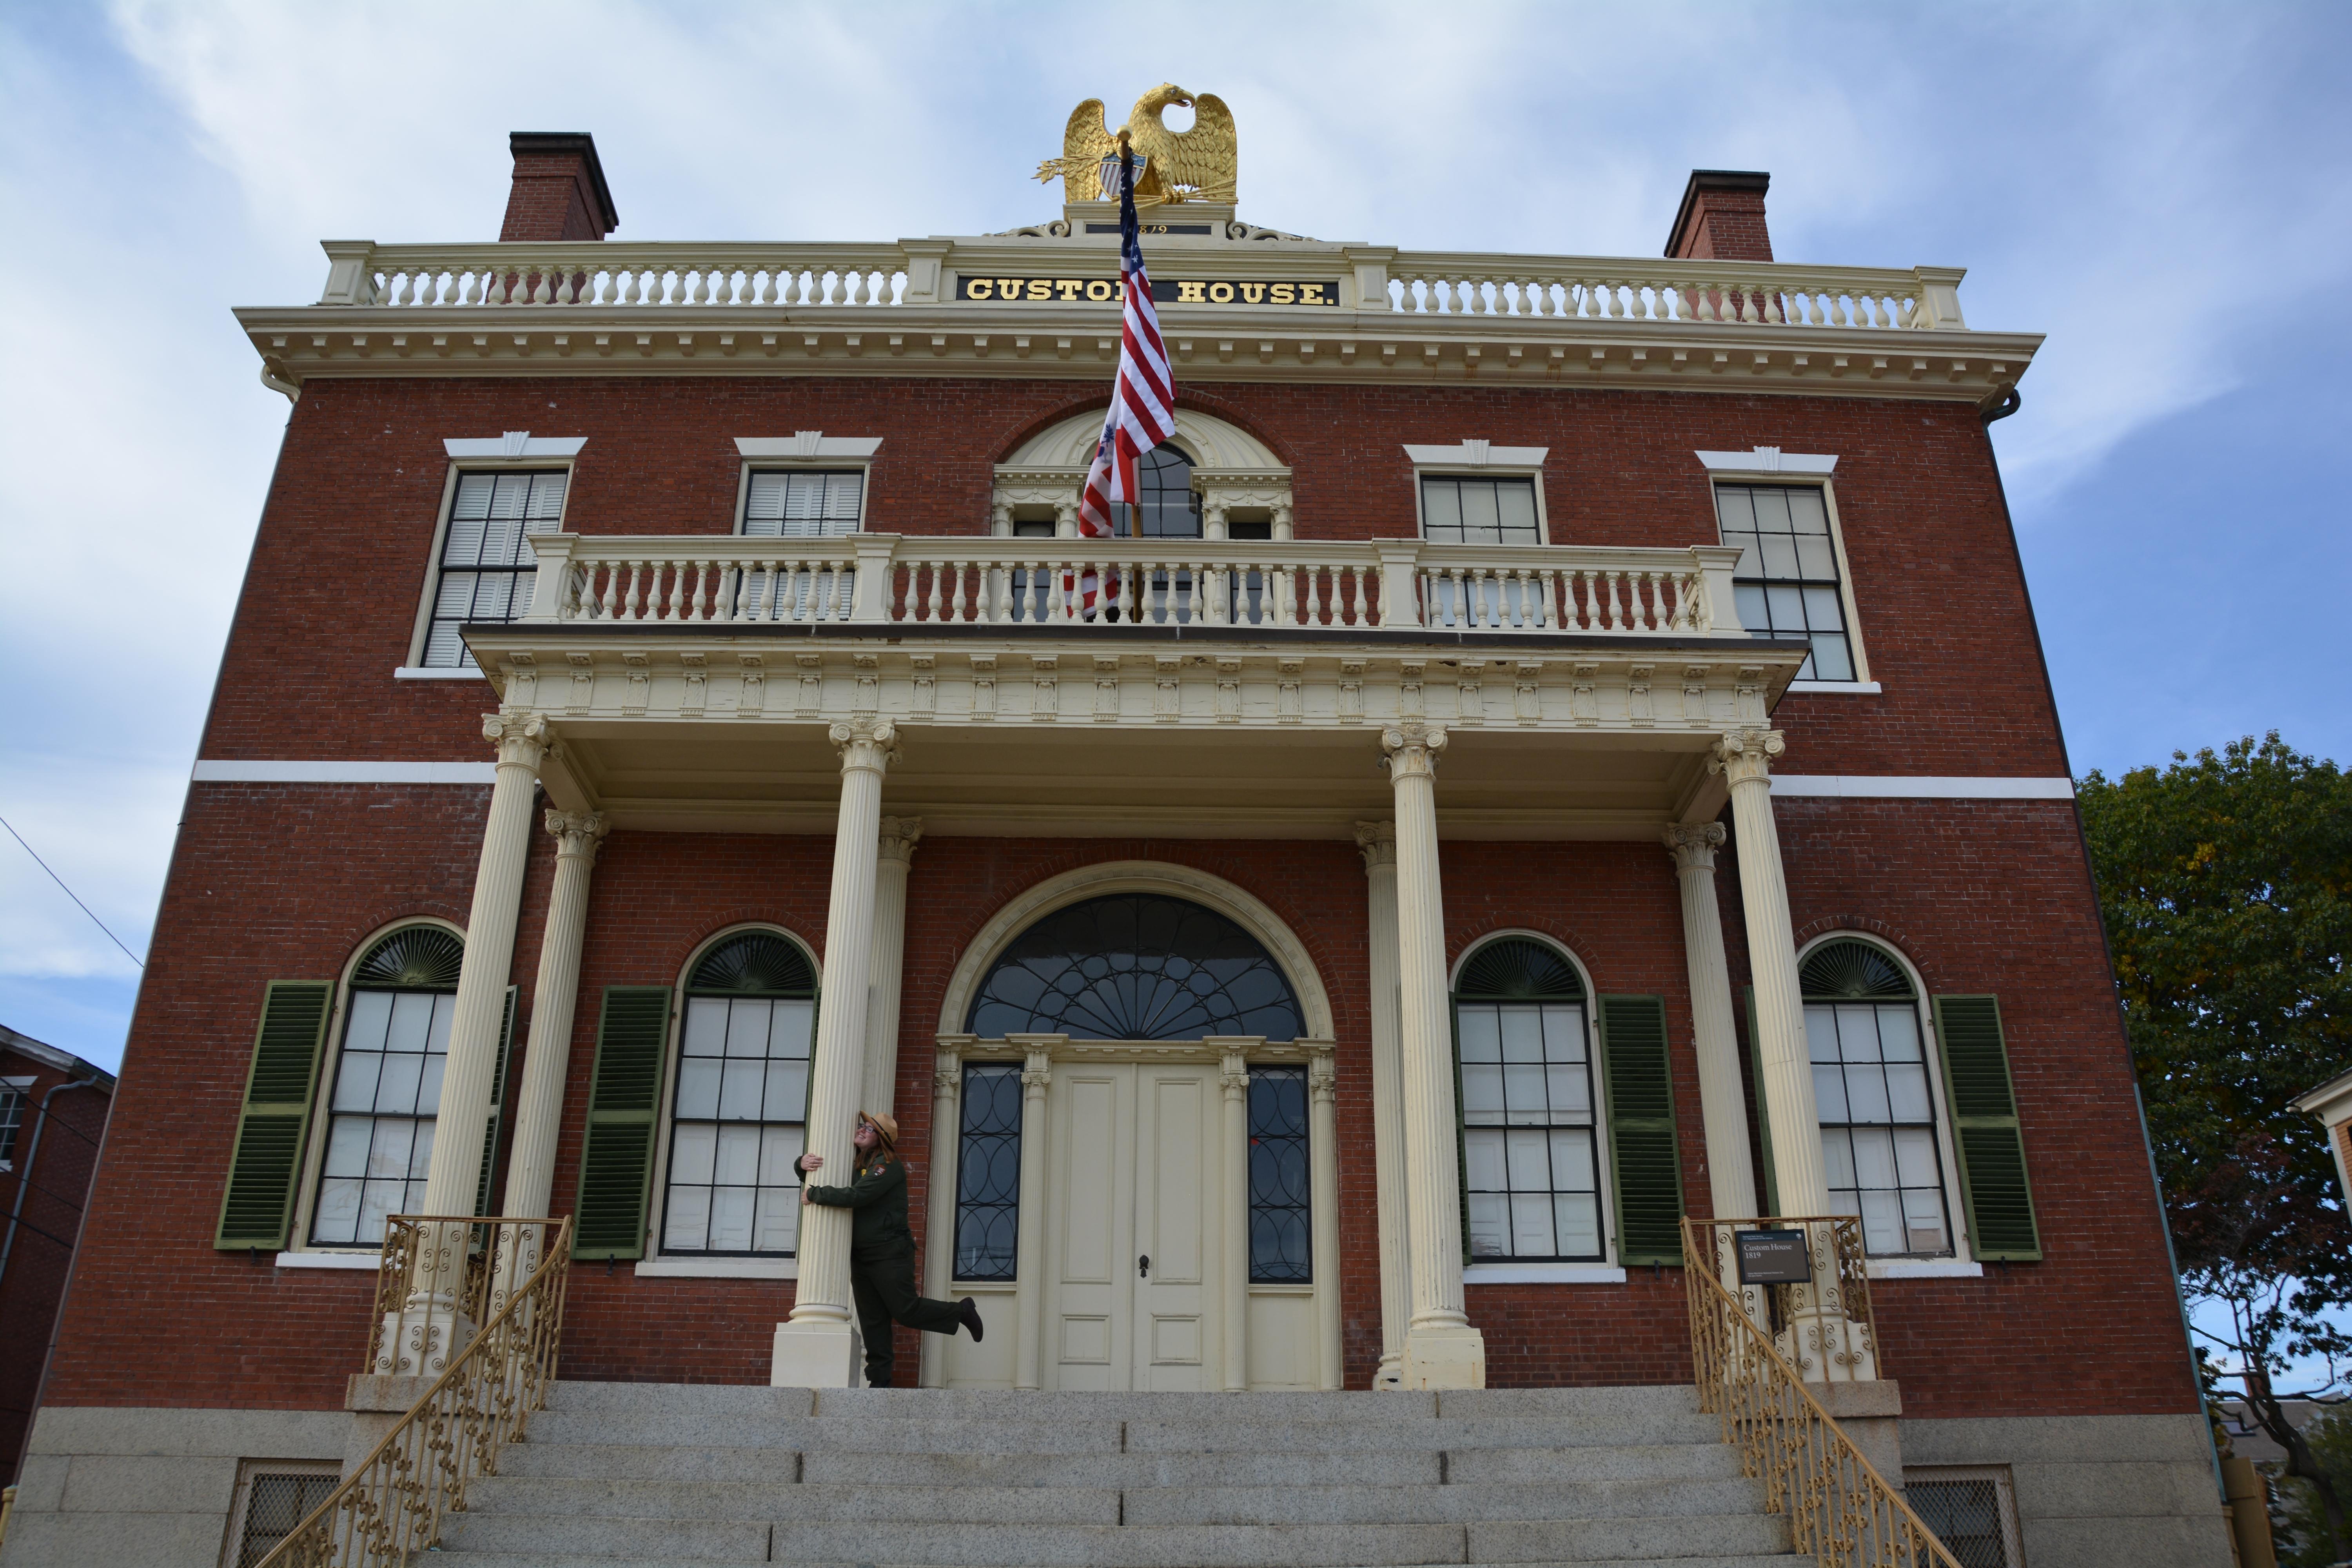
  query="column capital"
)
[
  {"x": 1322, "y": 1070},
  {"x": 1412, "y": 749},
  {"x": 866, "y": 745},
  {"x": 898, "y": 837},
  {"x": 1693, "y": 844},
  {"x": 1745, "y": 756},
  {"x": 947, "y": 1071},
  {"x": 577, "y": 833},
  {"x": 523, "y": 739},
  {"x": 1376, "y": 841},
  {"x": 1234, "y": 1075}
]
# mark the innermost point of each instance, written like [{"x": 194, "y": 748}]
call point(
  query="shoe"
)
[{"x": 968, "y": 1314}]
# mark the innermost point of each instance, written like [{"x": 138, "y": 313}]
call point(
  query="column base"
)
[
  {"x": 1444, "y": 1358},
  {"x": 1390, "y": 1372},
  {"x": 817, "y": 1355},
  {"x": 419, "y": 1340}
]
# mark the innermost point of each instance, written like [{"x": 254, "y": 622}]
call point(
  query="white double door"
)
[{"x": 1135, "y": 1252}]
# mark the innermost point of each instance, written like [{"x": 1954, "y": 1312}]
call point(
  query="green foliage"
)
[{"x": 2304, "y": 1541}]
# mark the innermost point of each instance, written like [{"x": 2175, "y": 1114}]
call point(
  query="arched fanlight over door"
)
[{"x": 1136, "y": 966}]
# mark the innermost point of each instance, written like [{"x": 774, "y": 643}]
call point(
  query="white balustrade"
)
[
  {"x": 1763, "y": 294},
  {"x": 599, "y": 274},
  {"x": 963, "y": 580}
]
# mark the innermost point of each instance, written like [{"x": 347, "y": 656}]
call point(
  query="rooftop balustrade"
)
[{"x": 883, "y": 579}]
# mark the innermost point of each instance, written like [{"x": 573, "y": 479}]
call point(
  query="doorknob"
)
[{"x": 1143, "y": 1266}]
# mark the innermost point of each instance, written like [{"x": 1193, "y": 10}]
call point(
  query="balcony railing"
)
[
  {"x": 918, "y": 273},
  {"x": 881, "y": 579}
]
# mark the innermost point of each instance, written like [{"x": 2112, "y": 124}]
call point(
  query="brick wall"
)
[
  {"x": 1942, "y": 880},
  {"x": 42, "y": 1198},
  {"x": 346, "y": 537}
]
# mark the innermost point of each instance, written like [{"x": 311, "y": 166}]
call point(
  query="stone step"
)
[
  {"x": 934, "y": 1404},
  {"x": 1144, "y": 1506},
  {"x": 595, "y": 1539},
  {"x": 621, "y": 1461},
  {"x": 569, "y": 1559}
]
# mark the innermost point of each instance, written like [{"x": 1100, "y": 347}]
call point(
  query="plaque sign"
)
[
  {"x": 1773, "y": 1257},
  {"x": 1165, "y": 291}
]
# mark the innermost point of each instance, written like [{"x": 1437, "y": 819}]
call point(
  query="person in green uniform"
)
[{"x": 881, "y": 1246}]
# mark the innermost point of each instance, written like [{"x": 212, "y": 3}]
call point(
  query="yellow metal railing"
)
[
  {"x": 1838, "y": 1508},
  {"x": 392, "y": 1506},
  {"x": 1826, "y": 1326}
]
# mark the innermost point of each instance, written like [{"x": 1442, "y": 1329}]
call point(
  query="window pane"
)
[
  {"x": 1481, "y": 1030},
  {"x": 1906, "y": 1093},
  {"x": 1522, "y": 1030},
  {"x": 1754, "y": 616},
  {"x": 1482, "y": 1093},
  {"x": 1814, "y": 557},
  {"x": 1788, "y": 607},
  {"x": 739, "y": 1087},
  {"x": 747, "y": 1028},
  {"x": 688, "y": 1228},
  {"x": 1481, "y": 524},
  {"x": 1820, "y": 1033},
  {"x": 1524, "y": 1100},
  {"x": 697, "y": 1087},
  {"x": 398, "y": 1082},
  {"x": 794, "y": 1024},
  {"x": 1569, "y": 1097},
  {"x": 411, "y": 1022},
  {"x": 1516, "y": 504},
  {"x": 1837, "y": 1156},
  {"x": 706, "y": 1027},
  {"x": 1866, "y": 1094},
  {"x": 1736, "y": 506},
  {"x": 776, "y": 1220},
  {"x": 1572, "y": 1162},
  {"x": 1490, "y": 1216},
  {"x": 347, "y": 1145},
  {"x": 1563, "y": 1034},
  {"x": 693, "y": 1152},
  {"x": 1915, "y": 1158},
  {"x": 338, "y": 1218},
  {"x": 1831, "y": 658},
  {"x": 1898, "y": 1034},
  {"x": 1440, "y": 501},
  {"x": 1923, "y": 1221},
  {"x": 1532, "y": 1225},
  {"x": 355, "y": 1079},
  {"x": 1806, "y": 513},
  {"x": 1527, "y": 1158},
  {"x": 1771, "y": 509},
  {"x": 730, "y": 1219},
  {"x": 1882, "y": 1222},
  {"x": 1823, "y": 611},
  {"x": 1779, "y": 552},
  {"x": 428, "y": 1089},
  {"x": 1483, "y": 1155},
  {"x": 1829, "y": 1092},
  {"x": 1874, "y": 1158},
  {"x": 1578, "y": 1216},
  {"x": 787, "y": 1094}
]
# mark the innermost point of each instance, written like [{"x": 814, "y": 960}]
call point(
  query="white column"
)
[
  {"x": 433, "y": 1321},
  {"x": 1233, "y": 1192},
  {"x": 1377, "y": 842},
  {"x": 1722, "y": 1104},
  {"x": 1441, "y": 1349},
  {"x": 1786, "y": 1078},
  {"x": 547, "y": 1055},
  {"x": 1323, "y": 1152},
  {"x": 895, "y": 856},
  {"x": 1029, "y": 1245},
  {"x": 938, "y": 1232},
  {"x": 817, "y": 1347}
]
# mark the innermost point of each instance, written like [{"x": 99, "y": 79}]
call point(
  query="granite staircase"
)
[{"x": 623, "y": 1474}]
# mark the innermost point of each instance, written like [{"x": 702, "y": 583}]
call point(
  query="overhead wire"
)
[{"x": 70, "y": 893}]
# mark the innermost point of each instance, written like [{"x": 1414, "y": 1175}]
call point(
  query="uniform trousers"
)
[{"x": 882, "y": 1284}]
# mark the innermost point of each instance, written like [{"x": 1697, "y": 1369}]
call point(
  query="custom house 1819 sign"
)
[{"x": 1165, "y": 291}]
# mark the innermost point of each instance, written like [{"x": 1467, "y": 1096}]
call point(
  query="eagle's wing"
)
[
  {"x": 1085, "y": 143},
  {"x": 1204, "y": 157}
]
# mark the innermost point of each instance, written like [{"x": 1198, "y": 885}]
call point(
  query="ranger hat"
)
[{"x": 883, "y": 1122}]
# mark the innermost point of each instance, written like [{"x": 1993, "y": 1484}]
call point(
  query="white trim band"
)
[
  {"x": 515, "y": 444},
  {"x": 1769, "y": 460},
  {"x": 1541, "y": 1274},
  {"x": 1477, "y": 455},
  {"x": 1922, "y": 1268},
  {"x": 808, "y": 446},
  {"x": 1836, "y": 688},
  {"x": 370, "y": 1261},
  {"x": 719, "y": 1269},
  {"x": 353, "y": 773},
  {"x": 1850, "y": 786},
  {"x": 421, "y": 673}
]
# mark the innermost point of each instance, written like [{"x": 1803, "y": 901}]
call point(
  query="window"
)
[
  {"x": 1971, "y": 1509},
  {"x": 1168, "y": 509},
  {"x": 1786, "y": 581},
  {"x": 12, "y": 1116},
  {"x": 1457, "y": 510},
  {"x": 1872, "y": 1088},
  {"x": 387, "y": 1088},
  {"x": 739, "y": 1116},
  {"x": 1279, "y": 1253},
  {"x": 988, "y": 1173},
  {"x": 272, "y": 1501},
  {"x": 487, "y": 567},
  {"x": 1531, "y": 1153},
  {"x": 803, "y": 503},
  {"x": 1136, "y": 966}
]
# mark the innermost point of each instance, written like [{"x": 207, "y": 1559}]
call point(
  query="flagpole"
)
[{"x": 1125, "y": 207}]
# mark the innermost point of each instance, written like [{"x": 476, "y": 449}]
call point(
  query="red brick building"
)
[{"x": 1569, "y": 750}]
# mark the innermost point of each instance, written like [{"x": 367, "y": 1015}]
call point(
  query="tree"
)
[
  {"x": 2303, "y": 1543},
  {"x": 2226, "y": 882}
]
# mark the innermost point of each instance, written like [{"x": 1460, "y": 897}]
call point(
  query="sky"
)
[{"x": 2160, "y": 189}]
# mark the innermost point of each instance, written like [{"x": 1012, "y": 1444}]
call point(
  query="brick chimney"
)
[
  {"x": 1722, "y": 217},
  {"x": 559, "y": 188}
]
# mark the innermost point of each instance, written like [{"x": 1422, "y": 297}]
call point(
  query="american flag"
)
[{"x": 1143, "y": 400}]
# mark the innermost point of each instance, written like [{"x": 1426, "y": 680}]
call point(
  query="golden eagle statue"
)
[{"x": 1191, "y": 165}]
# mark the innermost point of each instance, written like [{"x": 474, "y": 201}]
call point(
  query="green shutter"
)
[
  {"x": 281, "y": 1086},
  {"x": 1642, "y": 1148},
  {"x": 1993, "y": 1187},
  {"x": 497, "y": 1104},
  {"x": 616, "y": 1158},
  {"x": 1763, "y": 1112}
]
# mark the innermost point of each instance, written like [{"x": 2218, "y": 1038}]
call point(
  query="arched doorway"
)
[{"x": 1134, "y": 1142}]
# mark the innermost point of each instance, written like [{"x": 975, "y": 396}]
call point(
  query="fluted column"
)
[
  {"x": 1722, "y": 1104},
  {"x": 1323, "y": 1156},
  {"x": 1232, "y": 1197},
  {"x": 1785, "y": 1079},
  {"x": 1441, "y": 1349},
  {"x": 938, "y": 1234},
  {"x": 547, "y": 1055},
  {"x": 817, "y": 1347},
  {"x": 1377, "y": 840},
  {"x": 894, "y": 858},
  {"x": 1029, "y": 1243},
  {"x": 432, "y": 1323}
]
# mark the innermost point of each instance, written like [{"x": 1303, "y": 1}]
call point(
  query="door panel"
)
[
  {"x": 1175, "y": 1166},
  {"x": 1088, "y": 1336}
]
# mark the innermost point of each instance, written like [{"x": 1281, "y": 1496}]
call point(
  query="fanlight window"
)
[
  {"x": 1872, "y": 1088},
  {"x": 1531, "y": 1153},
  {"x": 739, "y": 1118},
  {"x": 388, "y": 1088},
  {"x": 1136, "y": 966}
]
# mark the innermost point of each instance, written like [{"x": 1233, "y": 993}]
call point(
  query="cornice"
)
[{"x": 1079, "y": 342}]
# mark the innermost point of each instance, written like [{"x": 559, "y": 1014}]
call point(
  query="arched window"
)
[
  {"x": 1530, "y": 1150},
  {"x": 1874, "y": 1092},
  {"x": 1168, "y": 509},
  {"x": 739, "y": 1111},
  {"x": 1136, "y": 966},
  {"x": 387, "y": 1088}
]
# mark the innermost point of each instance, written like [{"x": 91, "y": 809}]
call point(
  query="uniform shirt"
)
[{"x": 877, "y": 1197}]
